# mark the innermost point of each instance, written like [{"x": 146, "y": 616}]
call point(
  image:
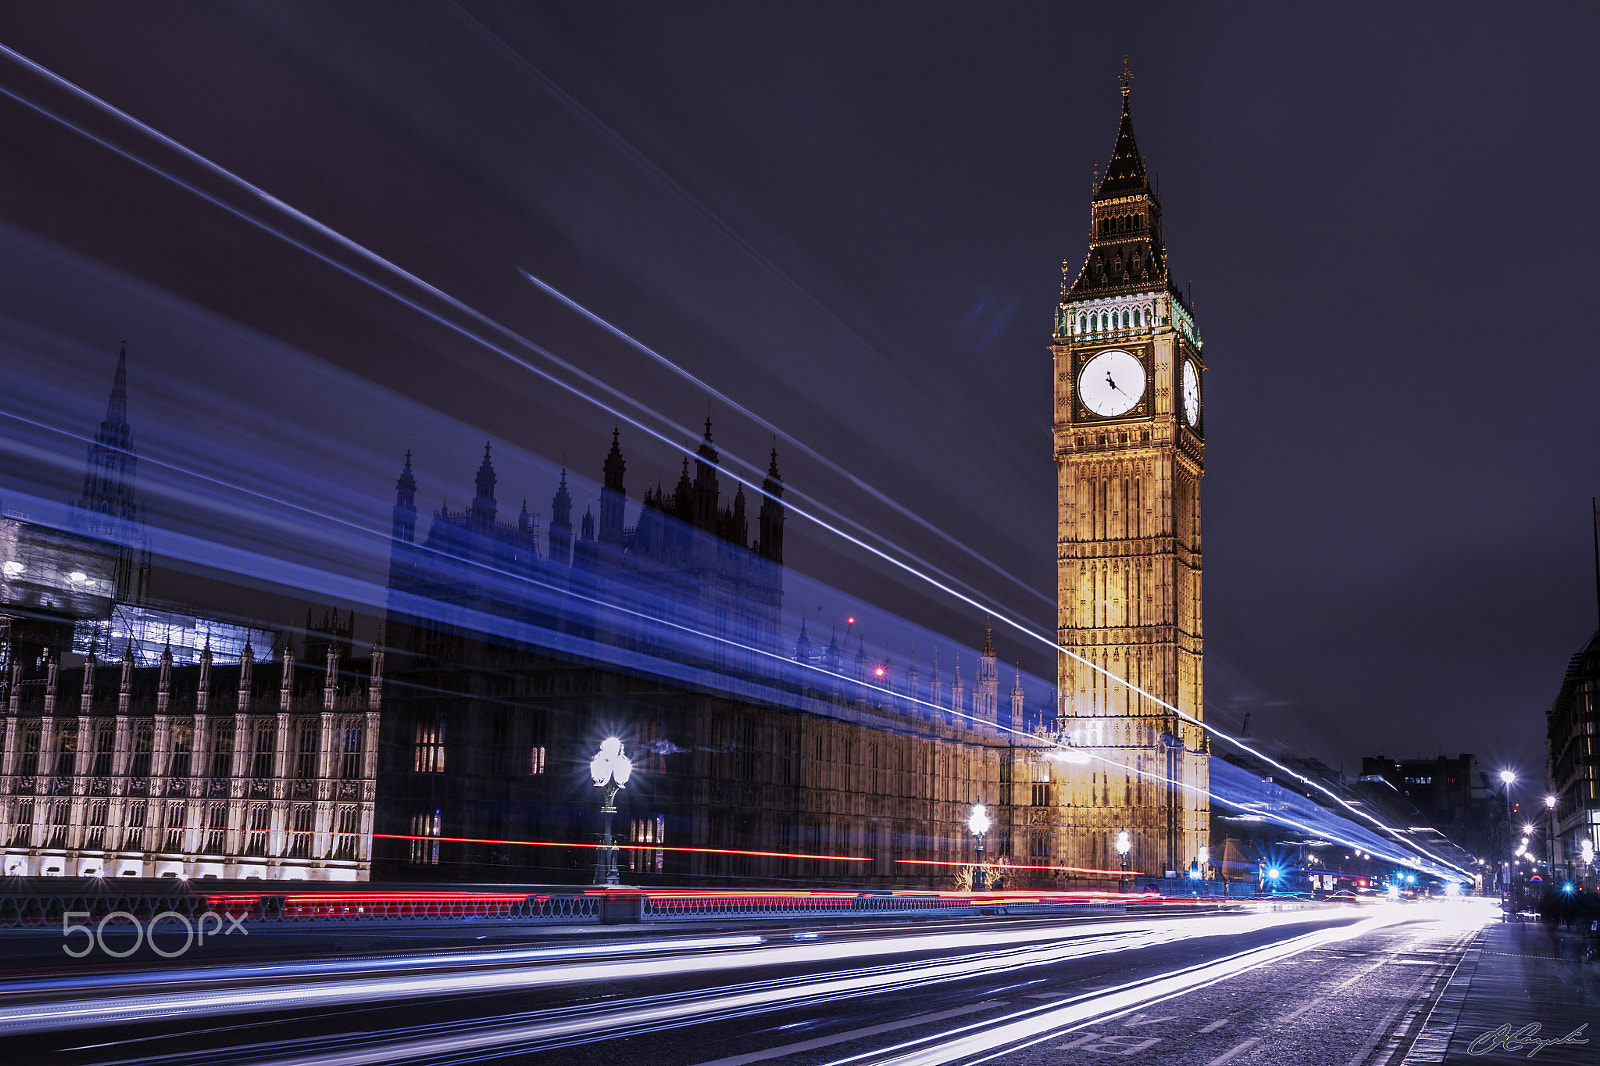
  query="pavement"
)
[{"x": 1520, "y": 983}]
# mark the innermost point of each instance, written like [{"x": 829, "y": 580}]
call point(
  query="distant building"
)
[
  {"x": 244, "y": 770},
  {"x": 1448, "y": 794},
  {"x": 167, "y": 749},
  {"x": 511, "y": 659},
  {"x": 192, "y": 747},
  {"x": 1573, "y": 761}
]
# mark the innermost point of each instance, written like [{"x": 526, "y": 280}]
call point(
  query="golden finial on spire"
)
[{"x": 1126, "y": 76}]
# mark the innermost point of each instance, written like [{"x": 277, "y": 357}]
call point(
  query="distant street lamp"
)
[
  {"x": 978, "y": 822},
  {"x": 1124, "y": 845},
  {"x": 1205, "y": 861},
  {"x": 610, "y": 770}
]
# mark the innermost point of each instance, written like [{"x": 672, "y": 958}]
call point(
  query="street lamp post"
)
[
  {"x": 1124, "y": 845},
  {"x": 1550, "y": 805},
  {"x": 610, "y": 770},
  {"x": 978, "y": 822},
  {"x": 1507, "y": 779}
]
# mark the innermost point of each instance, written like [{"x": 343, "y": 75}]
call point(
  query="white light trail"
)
[
  {"x": 990, "y": 951},
  {"x": 995, "y": 1038}
]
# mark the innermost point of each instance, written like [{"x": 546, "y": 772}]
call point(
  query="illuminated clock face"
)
[
  {"x": 1191, "y": 394},
  {"x": 1111, "y": 383}
]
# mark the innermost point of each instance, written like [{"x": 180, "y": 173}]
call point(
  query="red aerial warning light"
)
[
  {"x": 878, "y": 671},
  {"x": 850, "y": 621}
]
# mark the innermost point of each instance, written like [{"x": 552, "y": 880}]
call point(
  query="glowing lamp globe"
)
[
  {"x": 979, "y": 820},
  {"x": 1205, "y": 855},
  {"x": 1508, "y": 777},
  {"x": 610, "y": 764},
  {"x": 1124, "y": 845},
  {"x": 1550, "y": 801},
  {"x": 1588, "y": 851}
]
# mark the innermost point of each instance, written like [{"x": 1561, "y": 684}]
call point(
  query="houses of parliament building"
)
[{"x": 456, "y": 745}]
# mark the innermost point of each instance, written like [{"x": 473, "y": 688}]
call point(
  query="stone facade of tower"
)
[{"x": 1129, "y": 446}]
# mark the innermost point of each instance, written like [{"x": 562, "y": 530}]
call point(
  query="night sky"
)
[{"x": 850, "y": 220}]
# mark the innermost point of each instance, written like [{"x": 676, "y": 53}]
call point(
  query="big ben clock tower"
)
[{"x": 1129, "y": 449}]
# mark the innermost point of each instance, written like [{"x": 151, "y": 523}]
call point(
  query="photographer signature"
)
[{"x": 1526, "y": 1037}]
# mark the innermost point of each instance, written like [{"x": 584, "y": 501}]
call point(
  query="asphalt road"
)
[{"x": 1323, "y": 986}]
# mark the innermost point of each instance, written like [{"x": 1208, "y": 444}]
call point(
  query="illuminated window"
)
[
  {"x": 305, "y": 759},
  {"x": 105, "y": 745},
  {"x": 94, "y": 833},
  {"x": 259, "y": 826},
  {"x": 60, "y": 822},
  {"x": 302, "y": 830},
  {"x": 428, "y": 747},
  {"x": 216, "y": 829},
  {"x": 133, "y": 831},
  {"x": 352, "y": 761},
  {"x": 182, "y": 734},
  {"x": 427, "y": 824},
  {"x": 22, "y": 827},
  {"x": 28, "y": 765},
  {"x": 221, "y": 748},
  {"x": 143, "y": 743},
  {"x": 347, "y": 845},
  {"x": 264, "y": 761},
  {"x": 536, "y": 760},
  {"x": 177, "y": 823}
]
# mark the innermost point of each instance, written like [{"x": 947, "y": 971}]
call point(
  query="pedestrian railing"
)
[{"x": 278, "y": 906}]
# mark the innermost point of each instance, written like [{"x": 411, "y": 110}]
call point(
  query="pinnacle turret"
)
[{"x": 483, "y": 504}]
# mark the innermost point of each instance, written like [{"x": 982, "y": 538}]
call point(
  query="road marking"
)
[
  {"x": 1005, "y": 1036},
  {"x": 1214, "y": 1026},
  {"x": 853, "y": 1034},
  {"x": 1236, "y": 1049},
  {"x": 1381, "y": 1030}
]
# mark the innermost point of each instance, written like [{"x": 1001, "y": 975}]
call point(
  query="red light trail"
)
[{"x": 640, "y": 845}]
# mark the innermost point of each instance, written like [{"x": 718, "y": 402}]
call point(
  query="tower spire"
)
[
  {"x": 613, "y": 496},
  {"x": 1126, "y": 251},
  {"x": 483, "y": 504},
  {"x": 117, "y": 406},
  {"x": 108, "y": 509}
]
